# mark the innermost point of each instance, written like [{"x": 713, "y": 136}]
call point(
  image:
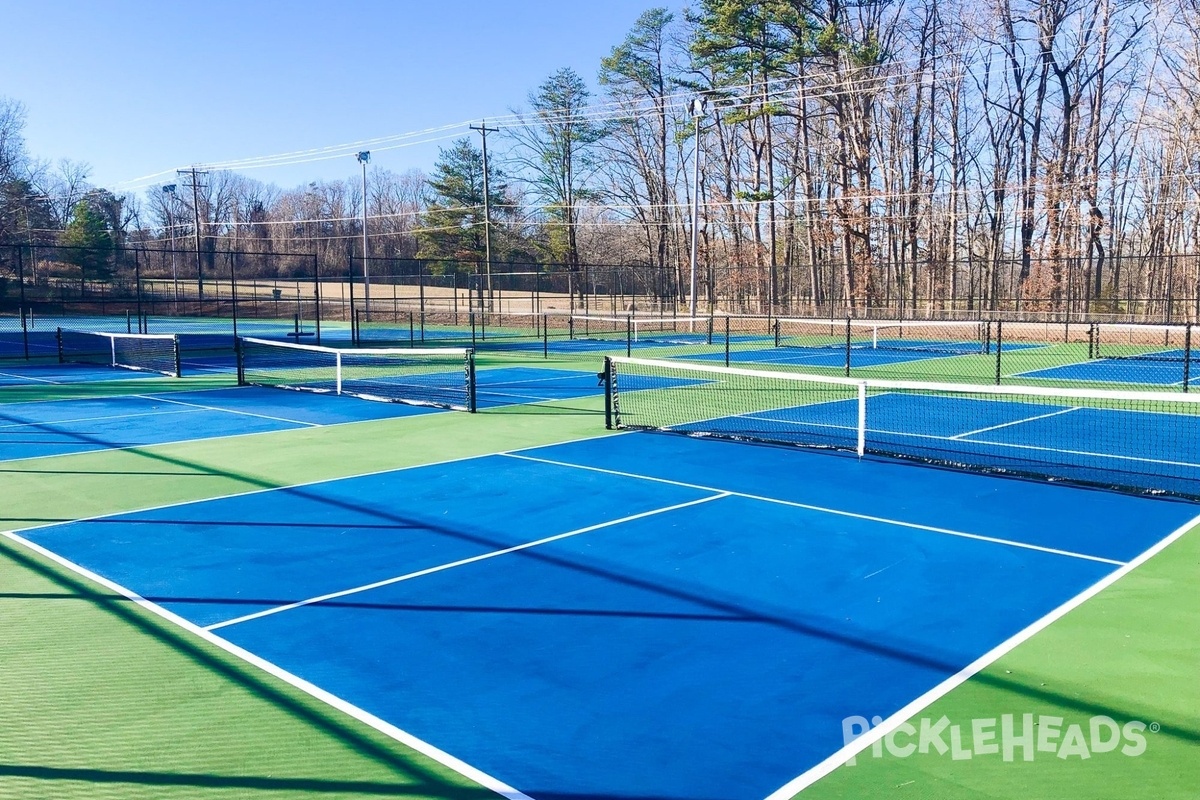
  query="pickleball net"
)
[
  {"x": 443, "y": 377},
  {"x": 1135, "y": 441},
  {"x": 136, "y": 351}
]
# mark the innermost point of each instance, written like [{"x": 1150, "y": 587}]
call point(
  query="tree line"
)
[{"x": 914, "y": 156}]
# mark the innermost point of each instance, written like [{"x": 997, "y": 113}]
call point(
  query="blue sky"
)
[{"x": 133, "y": 87}]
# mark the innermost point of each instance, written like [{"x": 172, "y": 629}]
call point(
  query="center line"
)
[{"x": 462, "y": 562}]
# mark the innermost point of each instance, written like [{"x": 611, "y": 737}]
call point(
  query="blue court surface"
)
[
  {"x": 60, "y": 427},
  {"x": 634, "y": 616},
  {"x": 1119, "y": 370},
  {"x": 22, "y": 374}
]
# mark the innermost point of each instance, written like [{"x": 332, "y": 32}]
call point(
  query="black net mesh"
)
[
  {"x": 1134, "y": 441},
  {"x": 442, "y": 377}
]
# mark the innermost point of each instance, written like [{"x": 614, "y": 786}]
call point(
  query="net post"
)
[
  {"x": 847, "y": 347},
  {"x": 337, "y": 357},
  {"x": 411, "y": 335},
  {"x": 628, "y": 336},
  {"x": 709, "y": 331},
  {"x": 24, "y": 330},
  {"x": 777, "y": 331},
  {"x": 178, "y": 356},
  {"x": 471, "y": 314},
  {"x": 606, "y": 378},
  {"x": 1092, "y": 341},
  {"x": 472, "y": 403},
  {"x": 239, "y": 348},
  {"x": 1187, "y": 355},
  {"x": 727, "y": 341},
  {"x": 862, "y": 419},
  {"x": 571, "y": 327},
  {"x": 875, "y": 336},
  {"x": 999, "y": 347},
  {"x": 129, "y": 322},
  {"x": 112, "y": 348},
  {"x": 58, "y": 340},
  {"x": 545, "y": 336}
]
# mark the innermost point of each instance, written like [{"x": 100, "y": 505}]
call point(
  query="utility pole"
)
[
  {"x": 698, "y": 106},
  {"x": 363, "y": 157},
  {"x": 193, "y": 173},
  {"x": 484, "y": 130},
  {"x": 168, "y": 201}
]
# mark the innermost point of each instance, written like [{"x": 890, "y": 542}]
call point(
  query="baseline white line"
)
[
  {"x": 93, "y": 419},
  {"x": 302, "y": 485},
  {"x": 461, "y": 562},
  {"x": 574, "y": 375},
  {"x": 1015, "y": 422},
  {"x": 28, "y": 378},
  {"x": 837, "y": 759},
  {"x": 838, "y": 512},
  {"x": 407, "y": 739},
  {"x": 229, "y": 410},
  {"x": 989, "y": 443},
  {"x": 201, "y": 439}
]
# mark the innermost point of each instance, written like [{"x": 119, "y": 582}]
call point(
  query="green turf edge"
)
[
  {"x": 1130, "y": 653},
  {"x": 102, "y": 699}
]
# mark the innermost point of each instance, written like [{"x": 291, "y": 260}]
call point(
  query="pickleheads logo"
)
[{"x": 1009, "y": 737}]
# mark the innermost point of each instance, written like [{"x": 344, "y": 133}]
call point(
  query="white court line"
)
[
  {"x": 28, "y": 378},
  {"x": 92, "y": 419},
  {"x": 1015, "y": 422},
  {"x": 461, "y": 562},
  {"x": 988, "y": 442},
  {"x": 228, "y": 410},
  {"x": 574, "y": 375},
  {"x": 386, "y": 728},
  {"x": 837, "y": 759},
  {"x": 290, "y": 486},
  {"x": 822, "y": 509},
  {"x": 203, "y": 439}
]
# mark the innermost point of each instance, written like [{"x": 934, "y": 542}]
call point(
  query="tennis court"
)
[
  {"x": 41, "y": 429},
  {"x": 618, "y": 599},
  {"x": 690, "y": 608}
]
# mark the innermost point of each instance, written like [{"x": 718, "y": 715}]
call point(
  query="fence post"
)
[
  {"x": 727, "y": 341},
  {"x": 316, "y": 294},
  {"x": 847, "y": 347},
  {"x": 1187, "y": 355},
  {"x": 999, "y": 347}
]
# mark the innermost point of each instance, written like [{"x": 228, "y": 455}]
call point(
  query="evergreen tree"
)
[
  {"x": 88, "y": 243},
  {"x": 453, "y": 225}
]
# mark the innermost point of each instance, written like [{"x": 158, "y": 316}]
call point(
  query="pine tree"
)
[
  {"x": 88, "y": 243},
  {"x": 453, "y": 225}
]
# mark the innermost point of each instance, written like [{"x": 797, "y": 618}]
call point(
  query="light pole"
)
[
  {"x": 169, "y": 189},
  {"x": 697, "y": 107},
  {"x": 363, "y": 158}
]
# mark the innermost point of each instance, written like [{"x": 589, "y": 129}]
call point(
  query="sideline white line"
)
[
  {"x": 837, "y": 759},
  {"x": 228, "y": 410},
  {"x": 330, "y": 699},
  {"x": 835, "y": 511},
  {"x": 40, "y": 423},
  {"x": 461, "y": 562},
  {"x": 1015, "y": 422}
]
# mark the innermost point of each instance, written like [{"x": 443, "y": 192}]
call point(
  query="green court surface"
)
[{"x": 102, "y": 698}]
